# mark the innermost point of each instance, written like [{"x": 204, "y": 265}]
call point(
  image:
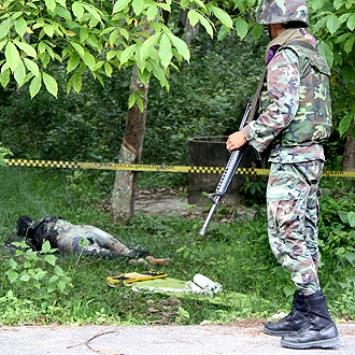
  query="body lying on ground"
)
[{"x": 70, "y": 238}]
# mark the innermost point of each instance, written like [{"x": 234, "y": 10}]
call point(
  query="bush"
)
[{"x": 33, "y": 283}]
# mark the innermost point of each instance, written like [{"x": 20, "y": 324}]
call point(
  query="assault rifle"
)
[{"x": 227, "y": 176}]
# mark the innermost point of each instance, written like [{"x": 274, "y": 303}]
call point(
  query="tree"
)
[{"x": 98, "y": 37}]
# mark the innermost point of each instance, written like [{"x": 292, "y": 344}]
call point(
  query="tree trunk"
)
[
  {"x": 130, "y": 153},
  {"x": 349, "y": 151}
]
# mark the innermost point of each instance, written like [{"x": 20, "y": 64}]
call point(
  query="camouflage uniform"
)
[{"x": 295, "y": 116}]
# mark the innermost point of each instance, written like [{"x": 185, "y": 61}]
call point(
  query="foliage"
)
[
  {"x": 27, "y": 267},
  {"x": 4, "y": 152},
  {"x": 334, "y": 24},
  {"x": 32, "y": 279},
  {"x": 235, "y": 253},
  {"x": 96, "y": 36},
  {"x": 206, "y": 98}
]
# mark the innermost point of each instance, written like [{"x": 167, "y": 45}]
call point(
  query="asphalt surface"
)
[{"x": 162, "y": 340}]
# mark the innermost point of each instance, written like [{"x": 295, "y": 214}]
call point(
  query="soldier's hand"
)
[{"x": 235, "y": 141}]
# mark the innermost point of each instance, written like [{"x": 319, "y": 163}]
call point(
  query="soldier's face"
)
[{"x": 274, "y": 30}]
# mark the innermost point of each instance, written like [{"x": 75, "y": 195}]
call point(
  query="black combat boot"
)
[
  {"x": 320, "y": 332},
  {"x": 293, "y": 321}
]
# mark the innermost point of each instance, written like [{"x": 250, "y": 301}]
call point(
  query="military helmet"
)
[
  {"x": 282, "y": 11},
  {"x": 22, "y": 225}
]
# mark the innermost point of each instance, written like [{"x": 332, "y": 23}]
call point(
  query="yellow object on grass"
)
[{"x": 131, "y": 277}]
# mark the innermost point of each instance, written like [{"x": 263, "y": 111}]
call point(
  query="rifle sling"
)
[{"x": 255, "y": 102}]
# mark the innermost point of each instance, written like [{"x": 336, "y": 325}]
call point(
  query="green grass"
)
[{"x": 235, "y": 254}]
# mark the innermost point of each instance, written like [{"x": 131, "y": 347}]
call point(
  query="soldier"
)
[{"x": 295, "y": 118}]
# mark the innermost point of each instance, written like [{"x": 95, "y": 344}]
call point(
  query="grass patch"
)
[{"x": 235, "y": 254}]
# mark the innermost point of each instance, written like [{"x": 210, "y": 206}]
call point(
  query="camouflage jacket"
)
[{"x": 295, "y": 111}]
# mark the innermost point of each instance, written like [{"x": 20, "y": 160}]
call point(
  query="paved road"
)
[{"x": 159, "y": 340}]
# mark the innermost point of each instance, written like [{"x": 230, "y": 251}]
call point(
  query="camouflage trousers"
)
[{"x": 292, "y": 204}]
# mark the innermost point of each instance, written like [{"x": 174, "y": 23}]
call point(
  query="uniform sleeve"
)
[{"x": 283, "y": 84}]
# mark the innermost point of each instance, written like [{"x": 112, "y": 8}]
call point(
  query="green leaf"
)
[
  {"x": 181, "y": 46},
  {"x": 222, "y": 16},
  {"x": 2, "y": 44},
  {"x": 25, "y": 277},
  {"x": 124, "y": 33},
  {"x": 78, "y": 10},
  {"x": 77, "y": 82},
  {"x": 89, "y": 60},
  {"x": 351, "y": 22},
  {"x": 165, "y": 51},
  {"x": 343, "y": 18},
  {"x": 120, "y": 5},
  {"x": 317, "y": 5},
  {"x": 48, "y": 30},
  {"x": 201, "y": 4},
  {"x": 108, "y": 69},
  {"x": 20, "y": 74},
  {"x": 333, "y": 23},
  {"x": 159, "y": 74},
  {"x": 64, "y": 13},
  {"x": 113, "y": 37},
  {"x": 50, "y": 259},
  {"x": 241, "y": 27},
  {"x": 93, "y": 12},
  {"x": 50, "y": 4},
  {"x": 349, "y": 44},
  {"x": 257, "y": 31},
  {"x": 140, "y": 104},
  {"x": 12, "y": 262},
  {"x": 61, "y": 285},
  {"x": 344, "y": 217},
  {"x": 138, "y": 6},
  {"x": 52, "y": 87},
  {"x": 148, "y": 45},
  {"x": 84, "y": 34},
  {"x": 206, "y": 24},
  {"x": 127, "y": 53},
  {"x": 343, "y": 37},
  {"x": 21, "y": 26},
  {"x": 5, "y": 78},
  {"x": 326, "y": 52},
  {"x": 193, "y": 17},
  {"x": 222, "y": 33},
  {"x": 165, "y": 7},
  {"x": 12, "y": 56},
  {"x": 135, "y": 99},
  {"x": 46, "y": 247},
  {"x": 320, "y": 24},
  {"x": 351, "y": 218},
  {"x": 152, "y": 12},
  {"x": 12, "y": 276},
  {"x": 73, "y": 62},
  {"x": 31, "y": 66},
  {"x": 5, "y": 26},
  {"x": 288, "y": 290},
  {"x": 350, "y": 257},
  {"x": 79, "y": 48},
  {"x": 132, "y": 99},
  {"x": 111, "y": 54},
  {"x": 93, "y": 22},
  {"x": 53, "y": 279},
  {"x": 28, "y": 49}
]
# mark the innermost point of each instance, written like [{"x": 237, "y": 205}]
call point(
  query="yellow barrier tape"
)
[{"x": 150, "y": 167}]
